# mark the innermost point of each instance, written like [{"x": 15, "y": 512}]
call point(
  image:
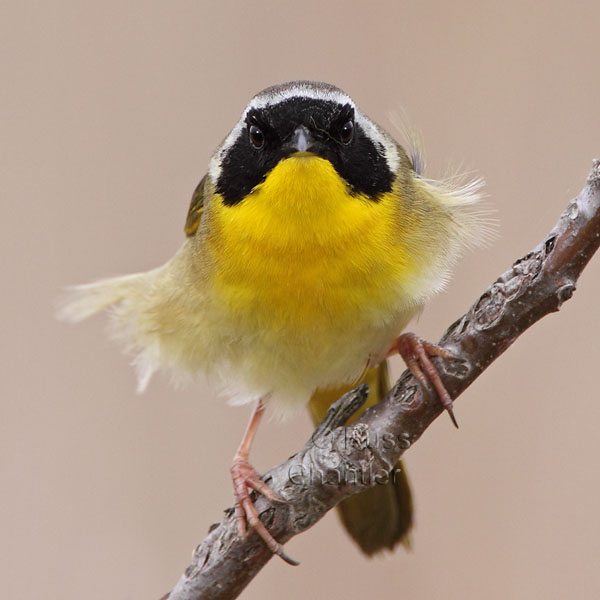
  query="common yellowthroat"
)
[{"x": 312, "y": 241}]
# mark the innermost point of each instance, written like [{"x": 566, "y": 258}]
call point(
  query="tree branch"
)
[{"x": 340, "y": 461}]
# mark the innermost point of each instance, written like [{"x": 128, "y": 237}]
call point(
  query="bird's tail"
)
[{"x": 382, "y": 516}]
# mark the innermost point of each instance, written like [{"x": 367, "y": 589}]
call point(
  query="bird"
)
[{"x": 311, "y": 242}]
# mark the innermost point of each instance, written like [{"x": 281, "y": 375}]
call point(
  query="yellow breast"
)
[{"x": 301, "y": 249}]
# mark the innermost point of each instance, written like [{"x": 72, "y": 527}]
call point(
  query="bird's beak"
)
[{"x": 302, "y": 140}]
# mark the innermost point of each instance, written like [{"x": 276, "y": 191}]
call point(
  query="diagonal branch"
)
[{"x": 340, "y": 461}]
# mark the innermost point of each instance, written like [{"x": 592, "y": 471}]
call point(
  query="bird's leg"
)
[
  {"x": 416, "y": 352},
  {"x": 244, "y": 476}
]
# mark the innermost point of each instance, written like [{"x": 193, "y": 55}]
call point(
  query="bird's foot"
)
[
  {"x": 244, "y": 476},
  {"x": 416, "y": 352}
]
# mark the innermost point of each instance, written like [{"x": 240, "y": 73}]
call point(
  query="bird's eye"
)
[
  {"x": 257, "y": 137},
  {"x": 347, "y": 132}
]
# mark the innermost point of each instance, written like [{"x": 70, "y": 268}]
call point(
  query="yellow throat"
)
[{"x": 302, "y": 249}]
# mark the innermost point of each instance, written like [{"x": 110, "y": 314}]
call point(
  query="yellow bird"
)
[{"x": 312, "y": 241}]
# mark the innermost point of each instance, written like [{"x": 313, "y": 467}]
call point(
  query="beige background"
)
[{"x": 110, "y": 112}]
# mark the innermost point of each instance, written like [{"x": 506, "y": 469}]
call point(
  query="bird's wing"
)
[{"x": 195, "y": 210}]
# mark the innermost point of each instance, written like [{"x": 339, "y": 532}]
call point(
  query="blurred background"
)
[{"x": 109, "y": 114}]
